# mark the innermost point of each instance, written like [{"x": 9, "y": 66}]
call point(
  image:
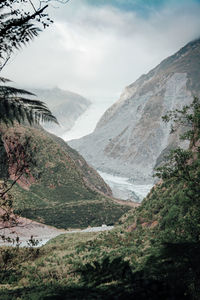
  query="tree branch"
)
[
  {"x": 20, "y": 22},
  {"x": 10, "y": 187}
]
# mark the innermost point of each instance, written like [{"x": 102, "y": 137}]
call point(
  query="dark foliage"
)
[
  {"x": 20, "y": 22},
  {"x": 15, "y": 107}
]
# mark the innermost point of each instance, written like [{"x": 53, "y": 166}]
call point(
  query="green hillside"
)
[
  {"x": 152, "y": 255},
  {"x": 59, "y": 188}
]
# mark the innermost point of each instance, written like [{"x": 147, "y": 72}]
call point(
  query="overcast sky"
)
[{"x": 97, "y": 47}]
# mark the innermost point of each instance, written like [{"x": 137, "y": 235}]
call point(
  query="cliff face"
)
[{"x": 130, "y": 139}]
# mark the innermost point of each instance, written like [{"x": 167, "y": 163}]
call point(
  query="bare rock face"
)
[{"x": 130, "y": 139}]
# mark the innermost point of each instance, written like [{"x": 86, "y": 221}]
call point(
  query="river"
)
[{"x": 121, "y": 187}]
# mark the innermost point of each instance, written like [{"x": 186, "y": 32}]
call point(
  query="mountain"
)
[
  {"x": 58, "y": 188},
  {"x": 130, "y": 139},
  {"x": 65, "y": 105},
  {"x": 152, "y": 254}
]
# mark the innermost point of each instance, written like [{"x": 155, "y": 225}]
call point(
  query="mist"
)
[{"x": 97, "y": 50}]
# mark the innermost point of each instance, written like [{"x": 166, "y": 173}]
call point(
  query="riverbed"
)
[
  {"x": 123, "y": 189},
  {"x": 40, "y": 233}
]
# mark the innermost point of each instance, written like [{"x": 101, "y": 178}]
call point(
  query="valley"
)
[
  {"x": 99, "y": 200},
  {"x": 130, "y": 139},
  {"x": 86, "y": 123}
]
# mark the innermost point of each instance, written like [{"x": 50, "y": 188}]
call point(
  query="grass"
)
[
  {"x": 125, "y": 261},
  {"x": 51, "y": 266}
]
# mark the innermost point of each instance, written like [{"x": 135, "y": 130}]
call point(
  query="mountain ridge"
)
[
  {"x": 130, "y": 138},
  {"x": 67, "y": 107}
]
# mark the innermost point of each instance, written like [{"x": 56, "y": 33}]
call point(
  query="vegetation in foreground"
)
[{"x": 153, "y": 254}]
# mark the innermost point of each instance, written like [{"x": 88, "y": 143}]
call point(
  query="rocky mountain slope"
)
[
  {"x": 59, "y": 188},
  {"x": 65, "y": 105},
  {"x": 130, "y": 139}
]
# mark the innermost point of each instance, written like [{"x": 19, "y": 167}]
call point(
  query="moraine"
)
[{"x": 122, "y": 188}]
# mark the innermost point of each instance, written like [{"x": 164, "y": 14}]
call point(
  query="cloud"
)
[{"x": 98, "y": 50}]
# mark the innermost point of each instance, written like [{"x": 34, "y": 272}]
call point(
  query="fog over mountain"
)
[
  {"x": 65, "y": 105},
  {"x": 130, "y": 139},
  {"x": 95, "y": 47}
]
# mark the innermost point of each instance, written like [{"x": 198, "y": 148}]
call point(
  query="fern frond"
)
[
  {"x": 4, "y": 80},
  {"x": 8, "y": 90},
  {"x": 20, "y": 109}
]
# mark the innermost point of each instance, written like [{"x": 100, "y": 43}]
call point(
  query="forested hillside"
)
[
  {"x": 59, "y": 188},
  {"x": 152, "y": 254}
]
